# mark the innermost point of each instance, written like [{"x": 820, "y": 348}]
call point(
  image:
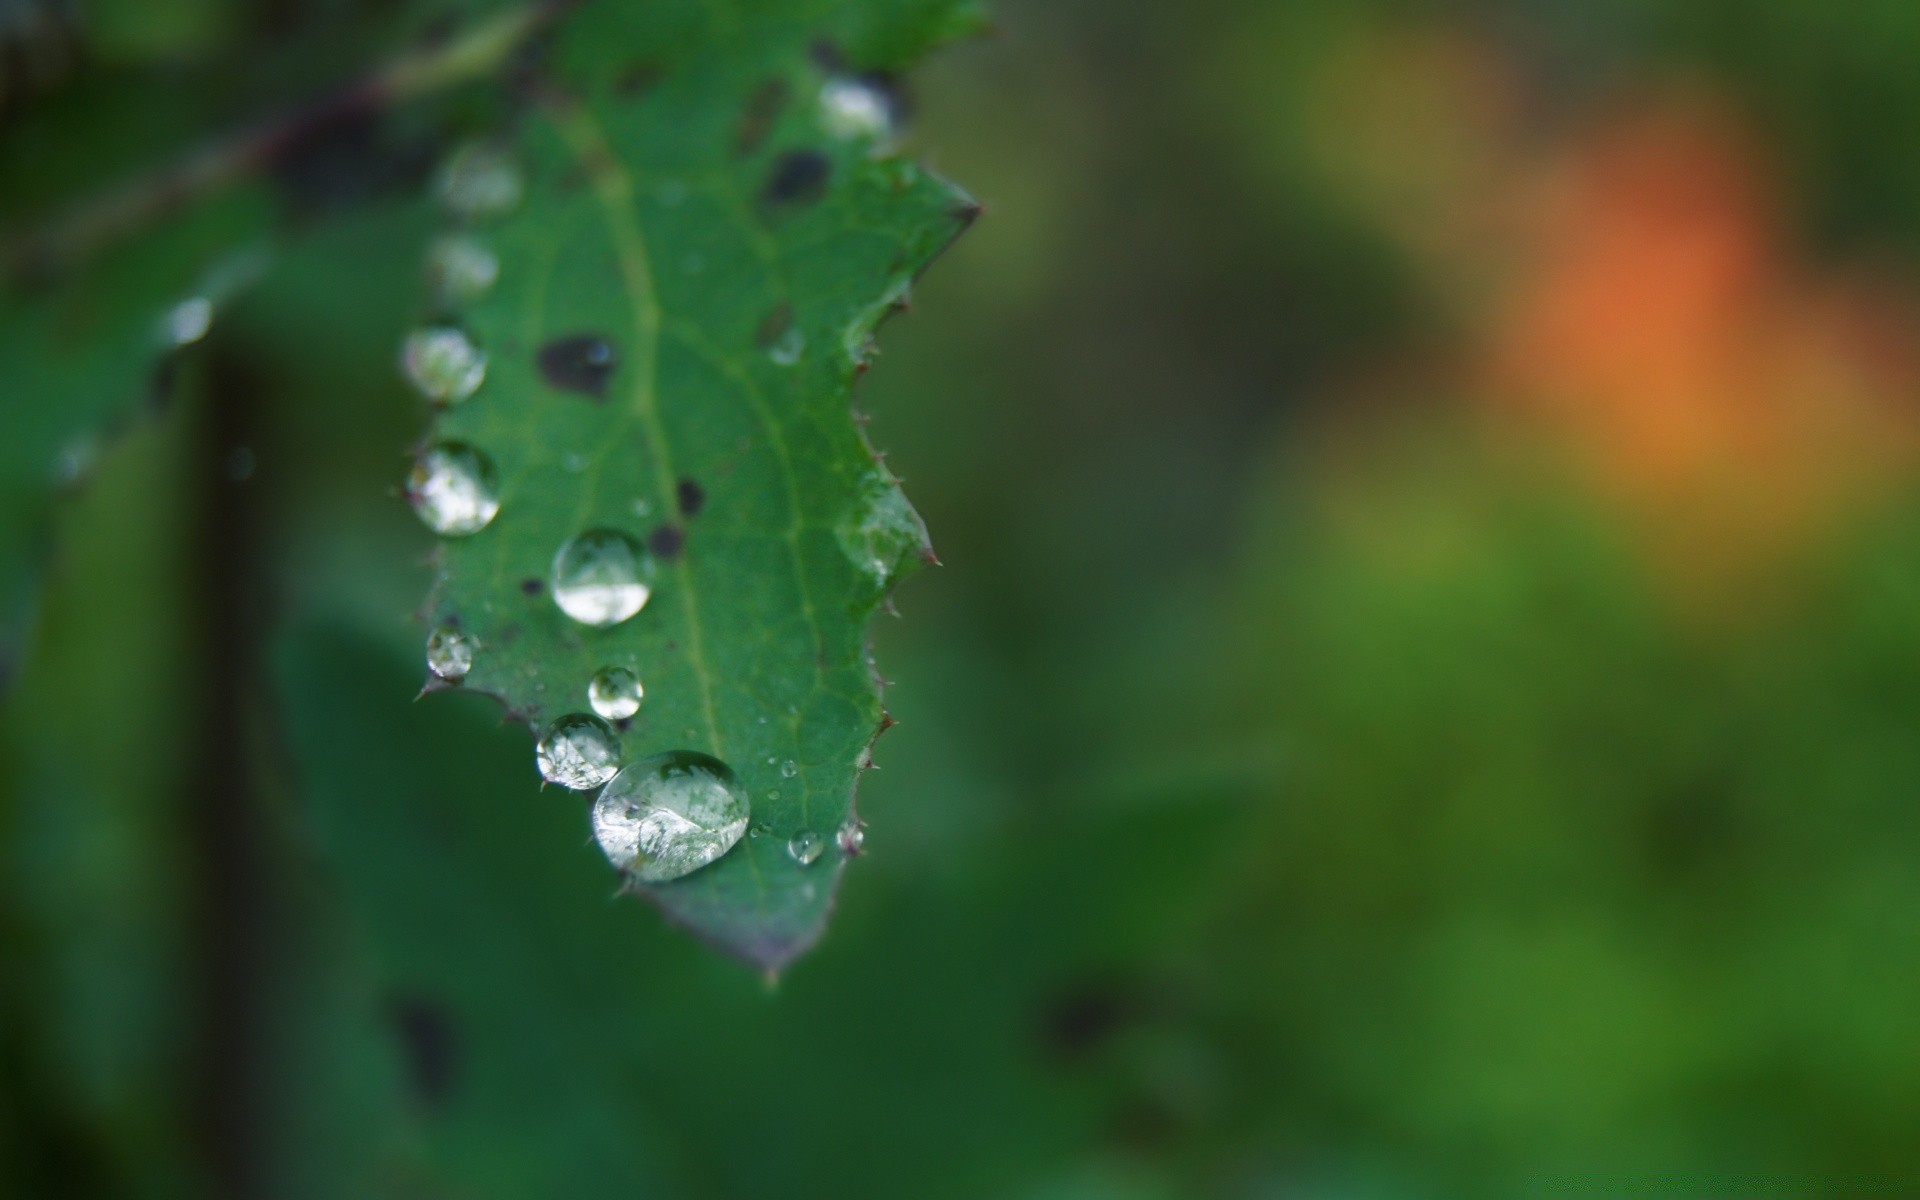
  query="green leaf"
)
[
  {"x": 85, "y": 355},
  {"x": 688, "y": 205}
]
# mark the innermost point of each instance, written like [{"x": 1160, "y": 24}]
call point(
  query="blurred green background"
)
[{"x": 1421, "y": 700}]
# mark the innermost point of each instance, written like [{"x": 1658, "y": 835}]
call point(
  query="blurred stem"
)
[{"x": 139, "y": 202}]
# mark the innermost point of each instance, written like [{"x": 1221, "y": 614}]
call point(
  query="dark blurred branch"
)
[{"x": 137, "y": 203}]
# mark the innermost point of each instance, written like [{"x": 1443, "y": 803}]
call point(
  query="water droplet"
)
[
  {"x": 480, "y": 181},
  {"x": 461, "y": 268},
  {"x": 789, "y": 769},
  {"x": 759, "y": 829},
  {"x": 579, "y": 752},
  {"x": 453, "y": 488},
  {"x": 851, "y": 837},
  {"x": 615, "y": 693},
  {"x": 602, "y": 577},
  {"x": 856, "y": 109},
  {"x": 443, "y": 363},
  {"x": 805, "y": 848},
  {"x": 788, "y": 347},
  {"x": 449, "y": 653},
  {"x": 188, "y": 321},
  {"x": 574, "y": 463},
  {"x": 881, "y": 530},
  {"x": 773, "y": 793},
  {"x": 669, "y": 815},
  {"x": 642, "y": 507},
  {"x": 75, "y": 460}
]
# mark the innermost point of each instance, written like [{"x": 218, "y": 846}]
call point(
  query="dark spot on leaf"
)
[
  {"x": 1083, "y": 1018},
  {"x": 692, "y": 496},
  {"x": 636, "y": 78},
  {"x": 531, "y": 587},
  {"x": 428, "y": 1046},
  {"x": 757, "y": 119},
  {"x": 667, "y": 540},
  {"x": 968, "y": 213},
  {"x": 581, "y": 363},
  {"x": 777, "y": 321},
  {"x": 799, "y": 177}
]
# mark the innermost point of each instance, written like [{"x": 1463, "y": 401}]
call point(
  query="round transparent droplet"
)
[
  {"x": 188, "y": 321},
  {"x": 449, "y": 653},
  {"x": 856, "y": 109},
  {"x": 880, "y": 532},
  {"x": 602, "y": 577},
  {"x": 669, "y": 815},
  {"x": 454, "y": 489},
  {"x": 805, "y": 848},
  {"x": 579, "y": 752},
  {"x": 461, "y": 268},
  {"x": 480, "y": 181},
  {"x": 787, "y": 348},
  {"x": 615, "y": 693},
  {"x": 789, "y": 769},
  {"x": 443, "y": 363},
  {"x": 851, "y": 837}
]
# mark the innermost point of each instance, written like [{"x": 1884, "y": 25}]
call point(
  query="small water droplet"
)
[
  {"x": 881, "y": 530},
  {"x": 579, "y": 752},
  {"x": 788, "y": 347},
  {"x": 669, "y": 815},
  {"x": 461, "y": 268},
  {"x": 805, "y": 848},
  {"x": 449, "y": 653},
  {"x": 642, "y": 507},
  {"x": 188, "y": 321},
  {"x": 602, "y": 577},
  {"x": 574, "y": 463},
  {"x": 789, "y": 769},
  {"x": 852, "y": 837},
  {"x": 75, "y": 460},
  {"x": 759, "y": 829},
  {"x": 615, "y": 693},
  {"x": 853, "y": 109},
  {"x": 454, "y": 489},
  {"x": 443, "y": 363},
  {"x": 480, "y": 181},
  {"x": 762, "y": 719},
  {"x": 773, "y": 793}
]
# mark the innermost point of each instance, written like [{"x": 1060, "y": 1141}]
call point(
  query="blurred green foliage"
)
[{"x": 1311, "y": 782}]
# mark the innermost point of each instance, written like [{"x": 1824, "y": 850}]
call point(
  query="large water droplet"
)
[
  {"x": 443, "y": 363},
  {"x": 449, "y": 653},
  {"x": 454, "y": 489},
  {"x": 480, "y": 181},
  {"x": 881, "y": 530},
  {"x": 615, "y": 693},
  {"x": 805, "y": 848},
  {"x": 789, "y": 769},
  {"x": 460, "y": 268},
  {"x": 579, "y": 752},
  {"x": 602, "y": 577},
  {"x": 856, "y": 109},
  {"x": 670, "y": 814}
]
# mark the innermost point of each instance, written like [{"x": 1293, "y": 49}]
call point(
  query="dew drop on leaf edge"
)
[
  {"x": 454, "y": 489},
  {"x": 805, "y": 848},
  {"x": 578, "y": 751},
  {"x": 480, "y": 181},
  {"x": 602, "y": 577},
  {"x": 443, "y": 364},
  {"x": 615, "y": 693},
  {"x": 461, "y": 268},
  {"x": 449, "y": 653},
  {"x": 669, "y": 815}
]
